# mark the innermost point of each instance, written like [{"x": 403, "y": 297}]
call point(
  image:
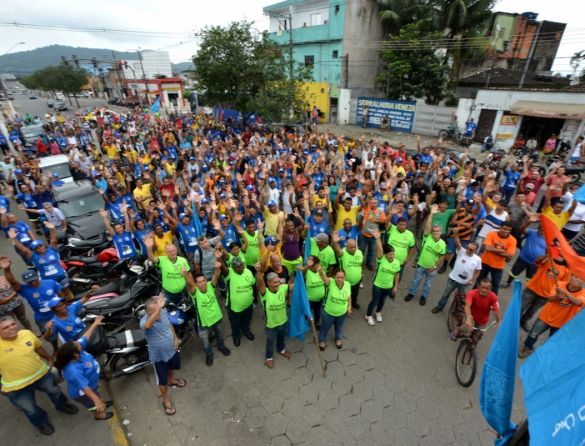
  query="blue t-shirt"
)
[
  {"x": 22, "y": 232},
  {"x": 511, "y": 179},
  {"x": 188, "y": 236},
  {"x": 81, "y": 373},
  {"x": 344, "y": 236},
  {"x": 49, "y": 264},
  {"x": 67, "y": 329},
  {"x": 124, "y": 244},
  {"x": 533, "y": 246},
  {"x": 230, "y": 235},
  {"x": 160, "y": 338},
  {"x": 4, "y": 203},
  {"x": 318, "y": 228},
  {"x": 38, "y": 298}
]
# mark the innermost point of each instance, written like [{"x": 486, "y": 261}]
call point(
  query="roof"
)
[
  {"x": 73, "y": 189},
  {"x": 549, "y": 110},
  {"x": 504, "y": 77},
  {"x": 285, "y": 4}
]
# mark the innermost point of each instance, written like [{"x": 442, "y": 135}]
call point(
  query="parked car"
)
[
  {"x": 32, "y": 132},
  {"x": 114, "y": 101},
  {"x": 131, "y": 101},
  {"x": 80, "y": 201},
  {"x": 32, "y": 96},
  {"x": 58, "y": 164},
  {"x": 51, "y": 103},
  {"x": 60, "y": 105}
]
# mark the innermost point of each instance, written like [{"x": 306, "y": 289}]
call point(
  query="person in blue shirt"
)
[
  {"x": 121, "y": 234},
  {"x": 82, "y": 373},
  {"x": 470, "y": 127},
  {"x": 185, "y": 228},
  {"x": 46, "y": 259},
  {"x": 230, "y": 234},
  {"x": 5, "y": 203},
  {"x": 511, "y": 179},
  {"x": 66, "y": 323},
  {"x": 318, "y": 223},
  {"x": 346, "y": 233}
]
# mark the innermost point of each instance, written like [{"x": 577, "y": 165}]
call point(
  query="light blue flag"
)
[
  {"x": 155, "y": 107},
  {"x": 496, "y": 390},
  {"x": 196, "y": 221},
  {"x": 300, "y": 310},
  {"x": 307, "y": 252},
  {"x": 579, "y": 196},
  {"x": 554, "y": 387}
]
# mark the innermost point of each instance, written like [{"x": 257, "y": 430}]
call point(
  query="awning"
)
[{"x": 549, "y": 110}]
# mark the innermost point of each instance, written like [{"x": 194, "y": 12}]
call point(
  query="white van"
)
[{"x": 56, "y": 164}]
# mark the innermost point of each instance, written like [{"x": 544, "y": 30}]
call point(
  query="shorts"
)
[
  {"x": 63, "y": 281},
  {"x": 86, "y": 401},
  {"x": 161, "y": 369}
]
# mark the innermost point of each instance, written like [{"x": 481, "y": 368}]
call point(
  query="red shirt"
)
[{"x": 481, "y": 305}]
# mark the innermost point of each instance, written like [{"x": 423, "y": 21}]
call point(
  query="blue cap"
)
[
  {"x": 305, "y": 152},
  {"x": 35, "y": 244},
  {"x": 54, "y": 302},
  {"x": 281, "y": 170},
  {"x": 222, "y": 195},
  {"x": 399, "y": 160},
  {"x": 249, "y": 187},
  {"x": 222, "y": 217},
  {"x": 270, "y": 240},
  {"x": 192, "y": 158},
  {"x": 182, "y": 215},
  {"x": 18, "y": 172},
  {"x": 30, "y": 275},
  {"x": 204, "y": 201},
  {"x": 271, "y": 203},
  {"x": 271, "y": 179}
]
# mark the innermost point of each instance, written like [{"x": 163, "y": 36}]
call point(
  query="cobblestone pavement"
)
[{"x": 391, "y": 384}]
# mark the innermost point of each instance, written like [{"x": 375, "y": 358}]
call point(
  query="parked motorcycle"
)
[
  {"x": 182, "y": 315},
  {"x": 85, "y": 272},
  {"x": 85, "y": 248}
]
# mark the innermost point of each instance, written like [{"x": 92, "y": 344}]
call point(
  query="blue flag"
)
[
  {"x": 307, "y": 252},
  {"x": 496, "y": 389},
  {"x": 196, "y": 221},
  {"x": 155, "y": 107},
  {"x": 579, "y": 196},
  {"x": 554, "y": 392},
  {"x": 299, "y": 309}
]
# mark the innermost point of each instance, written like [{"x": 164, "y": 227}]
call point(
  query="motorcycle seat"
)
[
  {"x": 89, "y": 243},
  {"x": 110, "y": 304},
  {"x": 83, "y": 259},
  {"x": 128, "y": 338}
]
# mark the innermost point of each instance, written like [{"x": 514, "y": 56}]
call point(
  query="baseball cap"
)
[
  {"x": 530, "y": 186},
  {"x": 54, "y": 302},
  {"x": 470, "y": 201},
  {"x": 270, "y": 240},
  {"x": 222, "y": 217},
  {"x": 236, "y": 261},
  {"x": 182, "y": 215},
  {"x": 29, "y": 276},
  {"x": 249, "y": 187},
  {"x": 399, "y": 160},
  {"x": 319, "y": 212},
  {"x": 204, "y": 201},
  {"x": 35, "y": 244},
  {"x": 18, "y": 172},
  {"x": 271, "y": 203}
]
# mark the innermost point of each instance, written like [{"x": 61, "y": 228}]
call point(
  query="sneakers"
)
[
  {"x": 250, "y": 335},
  {"x": 47, "y": 429},
  {"x": 379, "y": 317},
  {"x": 269, "y": 363},
  {"x": 524, "y": 352},
  {"x": 226, "y": 351},
  {"x": 355, "y": 305},
  {"x": 370, "y": 320},
  {"x": 209, "y": 359},
  {"x": 408, "y": 297},
  {"x": 285, "y": 353},
  {"x": 435, "y": 310},
  {"x": 422, "y": 301}
]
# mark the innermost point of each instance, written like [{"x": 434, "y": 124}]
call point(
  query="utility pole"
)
[
  {"x": 144, "y": 76},
  {"x": 530, "y": 55},
  {"x": 291, "y": 67}
]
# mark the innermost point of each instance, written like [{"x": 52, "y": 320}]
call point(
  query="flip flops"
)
[
  {"x": 169, "y": 411},
  {"x": 179, "y": 383}
]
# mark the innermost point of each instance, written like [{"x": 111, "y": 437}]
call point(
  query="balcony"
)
[{"x": 308, "y": 34}]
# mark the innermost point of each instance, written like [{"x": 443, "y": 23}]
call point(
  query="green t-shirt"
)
[
  {"x": 172, "y": 278},
  {"x": 208, "y": 310},
  {"x": 401, "y": 242},
  {"x": 352, "y": 265},
  {"x": 326, "y": 255},
  {"x": 253, "y": 250},
  {"x": 442, "y": 219},
  {"x": 240, "y": 289},
  {"x": 386, "y": 272},
  {"x": 315, "y": 286},
  {"x": 431, "y": 251},
  {"x": 275, "y": 306},
  {"x": 338, "y": 300}
]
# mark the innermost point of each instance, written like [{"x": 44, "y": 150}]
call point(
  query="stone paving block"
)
[
  {"x": 418, "y": 425},
  {"x": 394, "y": 416},
  {"x": 281, "y": 440},
  {"x": 394, "y": 382},
  {"x": 297, "y": 431},
  {"x": 354, "y": 374},
  {"x": 486, "y": 437},
  {"x": 313, "y": 415},
  {"x": 344, "y": 438},
  {"x": 294, "y": 345},
  {"x": 362, "y": 391},
  {"x": 329, "y": 355},
  {"x": 403, "y": 436},
  {"x": 429, "y": 409},
  {"x": 405, "y": 402},
  {"x": 383, "y": 433},
  {"x": 359, "y": 428},
  {"x": 308, "y": 394},
  {"x": 365, "y": 361},
  {"x": 272, "y": 402},
  {"x": 293, "y": 408},
  {"x": 341, "y": 386},
  {"x": 349, "y": 405},
  {"x": 255, "y": 417},
  {"x": 336, "y": 421},
  {"x": 371, "y": 411},
  {"x": 385, "y": 396},
  {"x": 298, "y": 359},
  {"x": 302, "y": 376},
  {"x": 347, "y": 357},
  {"x": 465, "y": 435},
  {"x": 320, "y": 437},
  {"x": 252, "y": 397},
  {"x": 328, "y": 400},
  {"x": 374, "y": 378},
  {"x": 335, "y": 370},
  {"x": 276, "y": 424},
  {"x": 442, "y": 429}
]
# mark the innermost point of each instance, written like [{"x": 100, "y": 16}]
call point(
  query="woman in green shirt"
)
[
  {"x": 314, "y": 280},
  {"x": 274, "y": 298},
  {"x": 337, "y": 306},
  {"x": 385, "y": 281}
]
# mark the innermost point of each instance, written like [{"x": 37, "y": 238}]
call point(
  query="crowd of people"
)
[{"x": 225, "y": 212}]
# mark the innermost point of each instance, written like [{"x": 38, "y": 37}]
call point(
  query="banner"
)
[
  {"x": 400, "y": 113},
  {"x": 557, "y": 246}
]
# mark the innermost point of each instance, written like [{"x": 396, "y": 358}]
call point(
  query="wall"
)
[
  {"x": 344, "y": 113},
  {"x": 505, "y": 23},
  {"x": 318, "y": 94},
  {"x": 325, "y": 68},
  {"x": 431, "y": 119}
]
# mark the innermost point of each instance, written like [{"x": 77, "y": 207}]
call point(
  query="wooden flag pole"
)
[{"x": 316, "y": 341}]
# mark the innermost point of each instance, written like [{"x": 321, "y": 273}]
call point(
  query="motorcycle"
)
[
  {"x": 85, "y": 272},
  {"x": 86, "y": 248},
  {"x": 182, "y": 315}
]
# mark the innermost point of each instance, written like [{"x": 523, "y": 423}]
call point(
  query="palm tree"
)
[{"x": 395, "y": 14}]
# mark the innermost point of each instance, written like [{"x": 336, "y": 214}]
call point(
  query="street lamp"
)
[{"x": 13, "y": 46}]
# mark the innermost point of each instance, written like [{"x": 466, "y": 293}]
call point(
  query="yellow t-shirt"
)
[
  {"x": 398, "y": 169},
  {"x": 342, "y": 214},
  {"x": 559, "y": 219},
  {"x": 317, "y": 199},
  {"x": 111, "y": 151},
  {"x": 272, "y": 220},
  {"x": 160, "y": 243},
  {"x": 140, "y": 194},
  {"x": 20, "y": 364}
]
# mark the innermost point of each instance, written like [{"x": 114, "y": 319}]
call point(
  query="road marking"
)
[{"x": 119, "y": 437}]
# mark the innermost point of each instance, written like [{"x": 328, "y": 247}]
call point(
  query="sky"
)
[{"x": 177, "y": 22}]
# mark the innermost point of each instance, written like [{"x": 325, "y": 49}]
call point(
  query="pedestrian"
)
[
  {"x": 163, "y": 349},
  {"x": 10, "y": 302},
  {"x": 499, "y": 248},
  {"x": 314, "y": 281},
  {"x": 25, "y": 369},
  {"x": 336, "y": 308},
  {"x": 240, "y": 299},
  {"x": 351, "y": 260}
]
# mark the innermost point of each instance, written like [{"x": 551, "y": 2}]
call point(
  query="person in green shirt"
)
[
  {"x": 351, "y": 259},
  {"x": 240, "y": 298},
  {"x": 386, "y": 279},
  {"x": 314, "y": 276},
  {"x": 234, "y": 250},
  {"x": 403, "y": 242},
  {"x": 443, "y": 216},
  {"x": 274, "y": 298},
  {"x": 432, "y": 253},
  {"x": 209, "y": 315},
  {"x": 337, "y": 307},
  {"x": 320, "y": 248},
  {"x": 251, "y": 243},
  {"x": 173, "y": 282}
]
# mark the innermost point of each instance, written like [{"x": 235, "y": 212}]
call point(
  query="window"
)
[
  {"x": 336, "y": 9},
  {"x": 335, "y": 54},
  {"x": 316, "y": 19},
  {"x": 309, "y": 61}
]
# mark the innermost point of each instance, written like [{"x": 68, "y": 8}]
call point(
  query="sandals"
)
[
  {"x": 339, "y": 344},
  {"x": 322, "y": 346},
  {"x": 179, "y": 383},
  {"x": 169, "y": 410},
  {"x": 107, "y": 416}
]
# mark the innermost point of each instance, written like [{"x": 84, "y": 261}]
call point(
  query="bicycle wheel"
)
[
  {"x": 465, "y": 363},
  {"x": 453, "y": 316}
]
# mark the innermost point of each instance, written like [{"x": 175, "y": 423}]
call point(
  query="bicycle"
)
[
  {"x": 456, "y": 314},
  {"x": 466, "y": 357}
]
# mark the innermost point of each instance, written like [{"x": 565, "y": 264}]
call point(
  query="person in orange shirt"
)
[
  {"x": 499, "y": 247},
  {"x": 560, "y": 309},
  {"x": 541, "y": 287}
]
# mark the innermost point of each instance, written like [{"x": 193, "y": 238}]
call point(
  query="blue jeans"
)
[
  {"x": 174, "y": 298},
  {"x": 379, "y": 296},
  {"x": 428, "y": 281},
  {"x": 24, "y": 399},
  {"x": 452, "y": 285},
  {"x": 496, "y": 276},
  {"x": 327, "y": 321},
  {"x": 204, "y": 335},
  {"x": 275, "y": 334},
  {"x": 538, "y": 328},
  {"x": 367, "y": 246}
]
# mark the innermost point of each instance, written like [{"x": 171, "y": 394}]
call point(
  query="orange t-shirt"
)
[
  {"x": 559, "y": 312},
  {"x": 543, "y": 282},
  {"x": 495, "y": 241}
]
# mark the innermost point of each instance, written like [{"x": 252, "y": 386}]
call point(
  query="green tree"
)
[
  {"x": 241, "y": 68},
  {"x": 63, "y": 78},
  {"x": 413, "y": 68}
]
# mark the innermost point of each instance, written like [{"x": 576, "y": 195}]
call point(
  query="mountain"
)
[
  {"x": 26, "y": 62},
  {"x": 183, "y": 66}
]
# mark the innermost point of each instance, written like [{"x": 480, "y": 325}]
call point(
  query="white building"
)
[{"x": 154, "y": 63}]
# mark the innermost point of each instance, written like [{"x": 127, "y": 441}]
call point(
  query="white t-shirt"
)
[
  {"x": 465, "y": 266},
  {"x": 578, "y": 214},
  {"x": 577, "y": 151},
  {"x": 56, "y": 216}
]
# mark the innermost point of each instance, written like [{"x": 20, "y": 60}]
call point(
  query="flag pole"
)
[{"x": 316, "y": 342}]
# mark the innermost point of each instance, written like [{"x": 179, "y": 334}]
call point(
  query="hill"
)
[{"x": 26, "y": 62}]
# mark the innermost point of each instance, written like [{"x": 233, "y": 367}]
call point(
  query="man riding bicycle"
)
[{"x": 478, "y": 305}]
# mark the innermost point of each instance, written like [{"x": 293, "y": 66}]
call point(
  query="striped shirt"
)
[{"x": 160, "y": 338}]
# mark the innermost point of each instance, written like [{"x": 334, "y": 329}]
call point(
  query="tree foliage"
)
[
  {"x": 413, "y": 68},
  {"x": 240, "y": 68},
  {"x": 63, "y": 78}
]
